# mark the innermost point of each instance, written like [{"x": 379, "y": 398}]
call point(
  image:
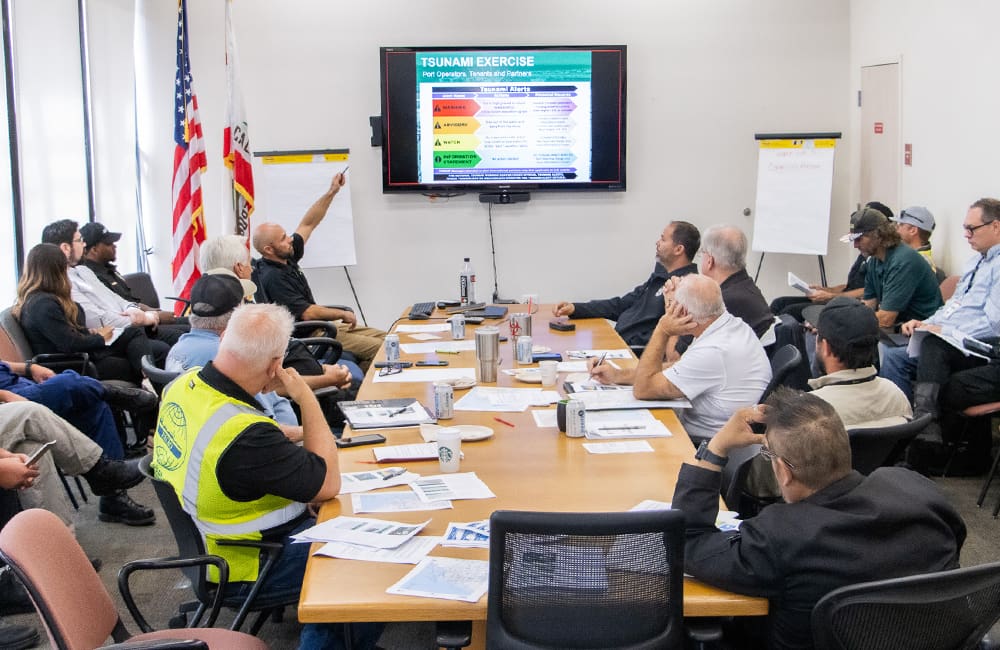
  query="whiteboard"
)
[
  {"x": 794, "y": 185},
  {"x": 290, "y": 182}
]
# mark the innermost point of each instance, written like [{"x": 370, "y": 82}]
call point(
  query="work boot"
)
[
  {"x": 108, "y": 476},
  {"x": 129, "y": 398},
  {"x": 17, "y": 637},
  {"x": 120, "y": 508},
  {"x": 14, "y": 597},
  {"x": 925, "y": 400}
]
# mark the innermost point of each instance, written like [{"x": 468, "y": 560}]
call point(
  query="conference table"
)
[{"x": 527, "y": 467}]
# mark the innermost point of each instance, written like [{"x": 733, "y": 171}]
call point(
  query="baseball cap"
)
[
  {"x": 917, "y": 216},
  {"x": 844, "y": 320},
  {"x": 95, "y": 233},
  {"x": 215, "y": 295},
  {"x": 249, "y": 288},
  {"x": 864, "y": 220}
]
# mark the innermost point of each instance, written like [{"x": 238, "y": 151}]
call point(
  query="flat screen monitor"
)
[{"x": 503, "y": 119}]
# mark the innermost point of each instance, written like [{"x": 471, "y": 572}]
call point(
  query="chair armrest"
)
[
  {"x": 159, "y": 644},
  {"x": 324, "y": 348},
  {"x": 272, "y": 551},
  {"x": 184, "y": 301},
  {"x": 341, "y": 308},
  {"x": 171, "y": 563},
  {"x": 307, "y": 327},
  {"x": 57, "y": 361}
]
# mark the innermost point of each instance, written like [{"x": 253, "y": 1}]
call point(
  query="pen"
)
[
  {"x": 393, "y": 414},
  {"x": 393, "y": 474},
  {"x": 601, "y": 360},
  {"x": 628, "y": 428},
  {"x": 446, "y": 351},
  {"x": 509, "y": 424},
  {"x": 345, "y": 170}
]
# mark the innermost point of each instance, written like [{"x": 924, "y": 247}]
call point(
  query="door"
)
[{"x": 880, "y": 150}]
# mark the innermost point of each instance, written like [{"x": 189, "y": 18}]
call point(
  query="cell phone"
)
[
  {"x": 41, "y": 451},
  {"x": 432, "y": 363},
  {"x": 561, "y": 326},
  {"x": 443, "y": 304},
  {"x": 357, "y": 441},
  {"x": 396, "y": 364}
]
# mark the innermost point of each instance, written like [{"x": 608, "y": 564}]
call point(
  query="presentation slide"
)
[{"x": 504, "y": 116}]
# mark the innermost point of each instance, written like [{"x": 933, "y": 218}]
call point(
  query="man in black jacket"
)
[
  {"x": 638, "y": 311},
  {"x": 836, "y": 528}
]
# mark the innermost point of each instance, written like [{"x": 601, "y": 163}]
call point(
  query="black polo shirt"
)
[
  {"x": 743, "y": 299},
  {"x": 286, "y": 284}
]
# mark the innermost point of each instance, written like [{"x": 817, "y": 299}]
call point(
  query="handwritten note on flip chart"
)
[
  {"x": 289, "y": 183},
  {"x": 794, "y": 184}
]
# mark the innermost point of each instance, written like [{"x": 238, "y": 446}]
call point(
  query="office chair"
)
[
  {"x": 786, "y": 359},
  {"x": 947, "y": 610},
  {"x": 877, "y": 446},
  {"x": 157, "y": 376},
  {"x": 586, "y": 580},
  {"x": 141, "y": 285},
  {"x": 71, "y": 600},
  {"x": 190, "y": 544}
]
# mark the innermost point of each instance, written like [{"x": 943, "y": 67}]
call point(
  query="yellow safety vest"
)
[{"x": 197, "y": 424}]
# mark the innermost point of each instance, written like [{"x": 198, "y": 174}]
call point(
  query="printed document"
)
[
  {"x": 410, "y": 552},
  {"x": 378, "y": 414},
  {"x": 414, "y": 375},
  {"x": 445, "y": 577},
  {"x": 447, "y": 346},
  {"x": 954, "y": 340},
  {"x": 487, "y": 398},
  {"x": 599, "y": 397},
  {"x": 796, "y": 282},
  {"x": 429, "y": 327},
  {"x": 375, "y": 479},
  {"x": 627, "y": 447},
  {"x": 451, "y": 486},
  {"x": 394, "y": 502},
  {"x": 474, "y": 534},
  {"x": 607, "y": 354},
  {"x": 633, "y": 423},
  {"x": 394, "y": 453},
  {"x": 357, "y": 530}
]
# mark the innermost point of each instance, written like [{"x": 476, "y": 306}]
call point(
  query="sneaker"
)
[
  {"x": 17, "y": 637},
  {"x": 129, "y": 398},
  {"x": 14, "y": 597},
  {"x": 120, "y": 508},
  {"x": 109, "y": 476}
]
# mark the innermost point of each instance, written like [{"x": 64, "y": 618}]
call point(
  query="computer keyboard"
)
[{"x": 421, "y": 310}]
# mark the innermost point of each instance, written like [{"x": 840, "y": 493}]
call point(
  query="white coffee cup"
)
[
  {"x": 449, "y": 444},
  {"x": 533, "y": 297},
  {"x": 548, "y": 371}
]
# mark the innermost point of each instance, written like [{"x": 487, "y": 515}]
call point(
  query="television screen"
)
[{"x": 503, "y": 119}]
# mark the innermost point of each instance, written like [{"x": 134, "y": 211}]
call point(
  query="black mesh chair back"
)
[
  {"x": 157, "y": 376},
  {"x": 586, "y": 580},
  {"x": 786, "y": 359},
  {"x": 141, "y": 286},
  {"x": 878, "y": 446},
  {"x": 948, "y": 610}
]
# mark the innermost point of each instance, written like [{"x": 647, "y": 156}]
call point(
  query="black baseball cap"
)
[
  {"x": 864, "y": 220},
  {"x": 215, "y": 295},
  {"x": 95, "y": 233},
  {"x": 844, "y": 320}
]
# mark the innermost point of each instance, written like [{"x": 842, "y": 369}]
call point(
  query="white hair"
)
[
  {"x": 224, "y": 252},
  {"x": 214, "y": 323},
  {"x": 727, "y": 245},
  {"x": 257, "y": 334},
  {"x": 701, "y": 296}
]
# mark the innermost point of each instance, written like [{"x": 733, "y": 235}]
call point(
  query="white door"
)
[{"x": 880, "y": 149}]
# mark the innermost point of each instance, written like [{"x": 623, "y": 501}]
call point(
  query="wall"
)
[
  {"x": 703, "y": 77},
  {"x": 949, "y": 104}
]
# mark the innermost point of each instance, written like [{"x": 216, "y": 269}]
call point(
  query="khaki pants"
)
[{"x": 362, "y": 342}]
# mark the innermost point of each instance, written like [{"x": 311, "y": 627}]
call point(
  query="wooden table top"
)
[{"x": 527, "y": 467}]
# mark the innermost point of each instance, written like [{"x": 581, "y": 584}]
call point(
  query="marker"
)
[
  {"x": 509, "y": 424},
  {"x": 446, "y": 351}
]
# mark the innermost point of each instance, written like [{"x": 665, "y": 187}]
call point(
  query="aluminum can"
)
[
  {"x": 576, "y": 419},
  {"x": 458, "y": 327},
  {"x": 523, "y": 351},
  {"x": 392, "y": 347},
  {"x": 444, "y": 401}
]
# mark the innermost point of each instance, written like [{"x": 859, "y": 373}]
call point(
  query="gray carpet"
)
[{"x": 159, "y": 596}]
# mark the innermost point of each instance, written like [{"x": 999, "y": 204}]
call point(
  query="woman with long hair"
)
[{"x": 54, "y": 323}]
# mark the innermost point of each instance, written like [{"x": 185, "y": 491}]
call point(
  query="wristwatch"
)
[{"x": 704, "y": 453}]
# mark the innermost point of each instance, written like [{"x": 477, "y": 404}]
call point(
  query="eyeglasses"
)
[
  {"x": 972, "y": 229},
  {"x": 391, "y": 369},
  {"x": 770, "y": 455}
]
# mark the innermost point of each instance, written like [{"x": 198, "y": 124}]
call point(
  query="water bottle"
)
[{"x": 467, "y": 283}]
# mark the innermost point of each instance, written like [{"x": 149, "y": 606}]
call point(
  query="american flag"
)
[
  {"x": 189, "y": 161},
  {"x": 237, "y": 190}
]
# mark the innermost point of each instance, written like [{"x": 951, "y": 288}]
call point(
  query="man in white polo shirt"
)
[{"x": 723, "y": 370}]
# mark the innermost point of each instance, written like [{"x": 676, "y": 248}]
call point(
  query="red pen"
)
[{"x": 509, "y": 424}]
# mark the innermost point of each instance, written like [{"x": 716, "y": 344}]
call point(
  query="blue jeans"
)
[
  {"x": 284, "y": 582},
  {"x": 898, "y": 367},
  {"x": 80, "y": 401}
]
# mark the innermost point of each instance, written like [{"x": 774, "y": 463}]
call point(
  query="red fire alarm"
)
[
  {"x": 879, "y": 127},
  {"x": 908, "y": 155}
]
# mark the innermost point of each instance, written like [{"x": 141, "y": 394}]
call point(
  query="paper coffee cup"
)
[{"x": 449, "y": 445}]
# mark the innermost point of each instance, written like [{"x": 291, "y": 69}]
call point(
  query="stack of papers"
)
[
  {"x": 635, "y": 423},
  {"x": 626, "y": 447},
  {"x": 485, "y": 398},
  {"x": 438, "y": 346},
  {"x": 366, "y": 532},
  {"x": 725, "y": 520},
  {"x": 597, "y": 397},
  {"x": 398, "y": 453},
  {"x": 409, "y": 553},
  {"x": 394, "y": 502},
  {"x": 445, "y": 577},
  {"x": 451, "y": 486},
  {"x": 474, "y": 534},
  {"x": 380, "y": 414}
]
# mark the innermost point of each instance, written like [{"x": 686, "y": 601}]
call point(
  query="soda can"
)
[
  {"x": 444, "y": 401},
  {"x": 523, "y": 351},
  {"x": 392, "y": 347},
  {"x": 576, "y": 419},
  {"x": 458, "y": 327}
]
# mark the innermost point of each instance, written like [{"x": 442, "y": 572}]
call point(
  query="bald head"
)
[
  {"x": 701, "y": 296},
  {"x": 273, "y": 243}
]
